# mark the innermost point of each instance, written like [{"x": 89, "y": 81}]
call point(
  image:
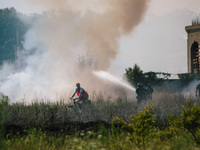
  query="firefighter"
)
[
  {"x": 140, "y": 90},
  {"x": 149, "y": 92},
  {"x": 198, "y": 90}
]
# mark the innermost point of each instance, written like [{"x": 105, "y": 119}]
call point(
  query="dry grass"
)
[
  {"x": 92, "y": 126},
  {"x": 103, "y": 108}
]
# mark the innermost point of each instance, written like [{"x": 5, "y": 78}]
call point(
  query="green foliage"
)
[
  {"x": 155, "y": 78},
  {"x": 189, "y": 120},
  {"x": 142, "y": 125},
  {"x": 143, "y": 130},
  {"x": 134, "y": 75},
  {"x": 160, "y": 79},
  {"x": 175, "y": 121},
  {"x": 35, "y": 139},
  {"x": 3, "y": 116},
  {"x": 9, "y": 24},
  {"x": 186, "y": 78}
]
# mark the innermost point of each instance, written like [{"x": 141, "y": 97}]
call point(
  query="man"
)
[
  {"x": 198, "y": 89},
  {"x": 140, "y": 90},
  {"x": 149, "y": 92},
  {"x": 81, "y": 93}
]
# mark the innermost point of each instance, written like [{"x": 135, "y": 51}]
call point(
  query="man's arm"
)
[{"x": 73, "y": 94}]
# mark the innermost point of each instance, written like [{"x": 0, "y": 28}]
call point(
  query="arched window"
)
[{"x": 195, "y": 66}]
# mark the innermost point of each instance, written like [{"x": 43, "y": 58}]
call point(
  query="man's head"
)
[
  {"x": 139, "y": 85},
  {"x": 78, "y": 85}
]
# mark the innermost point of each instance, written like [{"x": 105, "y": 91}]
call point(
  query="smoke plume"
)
[{"x": 65, "y": 30}]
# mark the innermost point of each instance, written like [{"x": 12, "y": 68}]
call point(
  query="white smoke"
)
[
  {"x": 190, "y": 90},
  {"x": 58, "y": 36}
]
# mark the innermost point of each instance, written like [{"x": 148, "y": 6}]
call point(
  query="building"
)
[{"x": 193, "y": 52}]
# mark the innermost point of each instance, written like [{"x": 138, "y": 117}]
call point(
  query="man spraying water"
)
[{"x": 141, "y": 93}]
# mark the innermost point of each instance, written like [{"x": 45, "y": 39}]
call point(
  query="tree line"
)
[
  {"x": 136, "y": 75},
  {"x": 10, "y": 26}
]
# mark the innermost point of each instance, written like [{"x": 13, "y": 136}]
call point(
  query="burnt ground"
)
[{"x": 67, "y": 128}]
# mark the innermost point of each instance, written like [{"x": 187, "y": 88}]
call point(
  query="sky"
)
[
  {"x": 153, "y": 37},
  {"x": 159, "y": 42}
]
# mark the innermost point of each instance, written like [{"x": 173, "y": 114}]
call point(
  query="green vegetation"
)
[
  {"x": 159, "y": 80},
  {"x": 3, "y": 117},
  {"x": 10, "y": 24},
  {"x": 186, "y": 78},
  {"x": 136, "y": 75},
  {"x": 169, "y": 121}
]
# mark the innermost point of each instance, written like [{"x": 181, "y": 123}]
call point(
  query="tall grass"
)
[
  {"x": 40, "y": 114},
  {"x": 46, "y": 125},
  {"x": 3, "y": 118}
]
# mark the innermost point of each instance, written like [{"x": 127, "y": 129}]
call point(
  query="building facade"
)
[{"x": 193, "y": 52}]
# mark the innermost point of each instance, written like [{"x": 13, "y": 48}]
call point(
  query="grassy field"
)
[{"x": 169, "y": 121}]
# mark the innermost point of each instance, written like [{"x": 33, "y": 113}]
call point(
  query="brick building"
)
[{"x": 193, "y": 52}]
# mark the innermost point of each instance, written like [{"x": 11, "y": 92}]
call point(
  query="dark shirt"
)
[
  {"x": 140, "y": 91},
  {"x": 198, "y": 88},
  {"x": 149, "y": 91}
]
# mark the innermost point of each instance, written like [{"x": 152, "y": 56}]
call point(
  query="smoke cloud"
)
[{"x": 68, "y": 29}]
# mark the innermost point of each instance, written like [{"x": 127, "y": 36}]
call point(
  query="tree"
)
[
  {"x": 186, "y": 78},
  {"x": 134, "y": 75},
  {"x": 9, "y": 24}
]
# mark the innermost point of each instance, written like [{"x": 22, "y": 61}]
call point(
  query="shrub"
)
[
  {"x": 142, "y": 126},
  {"x": 3, "y": 116},
  {"x": 189, "y": 120}
]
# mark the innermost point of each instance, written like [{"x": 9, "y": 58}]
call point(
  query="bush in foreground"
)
[{"x": 144, "y": 129}]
